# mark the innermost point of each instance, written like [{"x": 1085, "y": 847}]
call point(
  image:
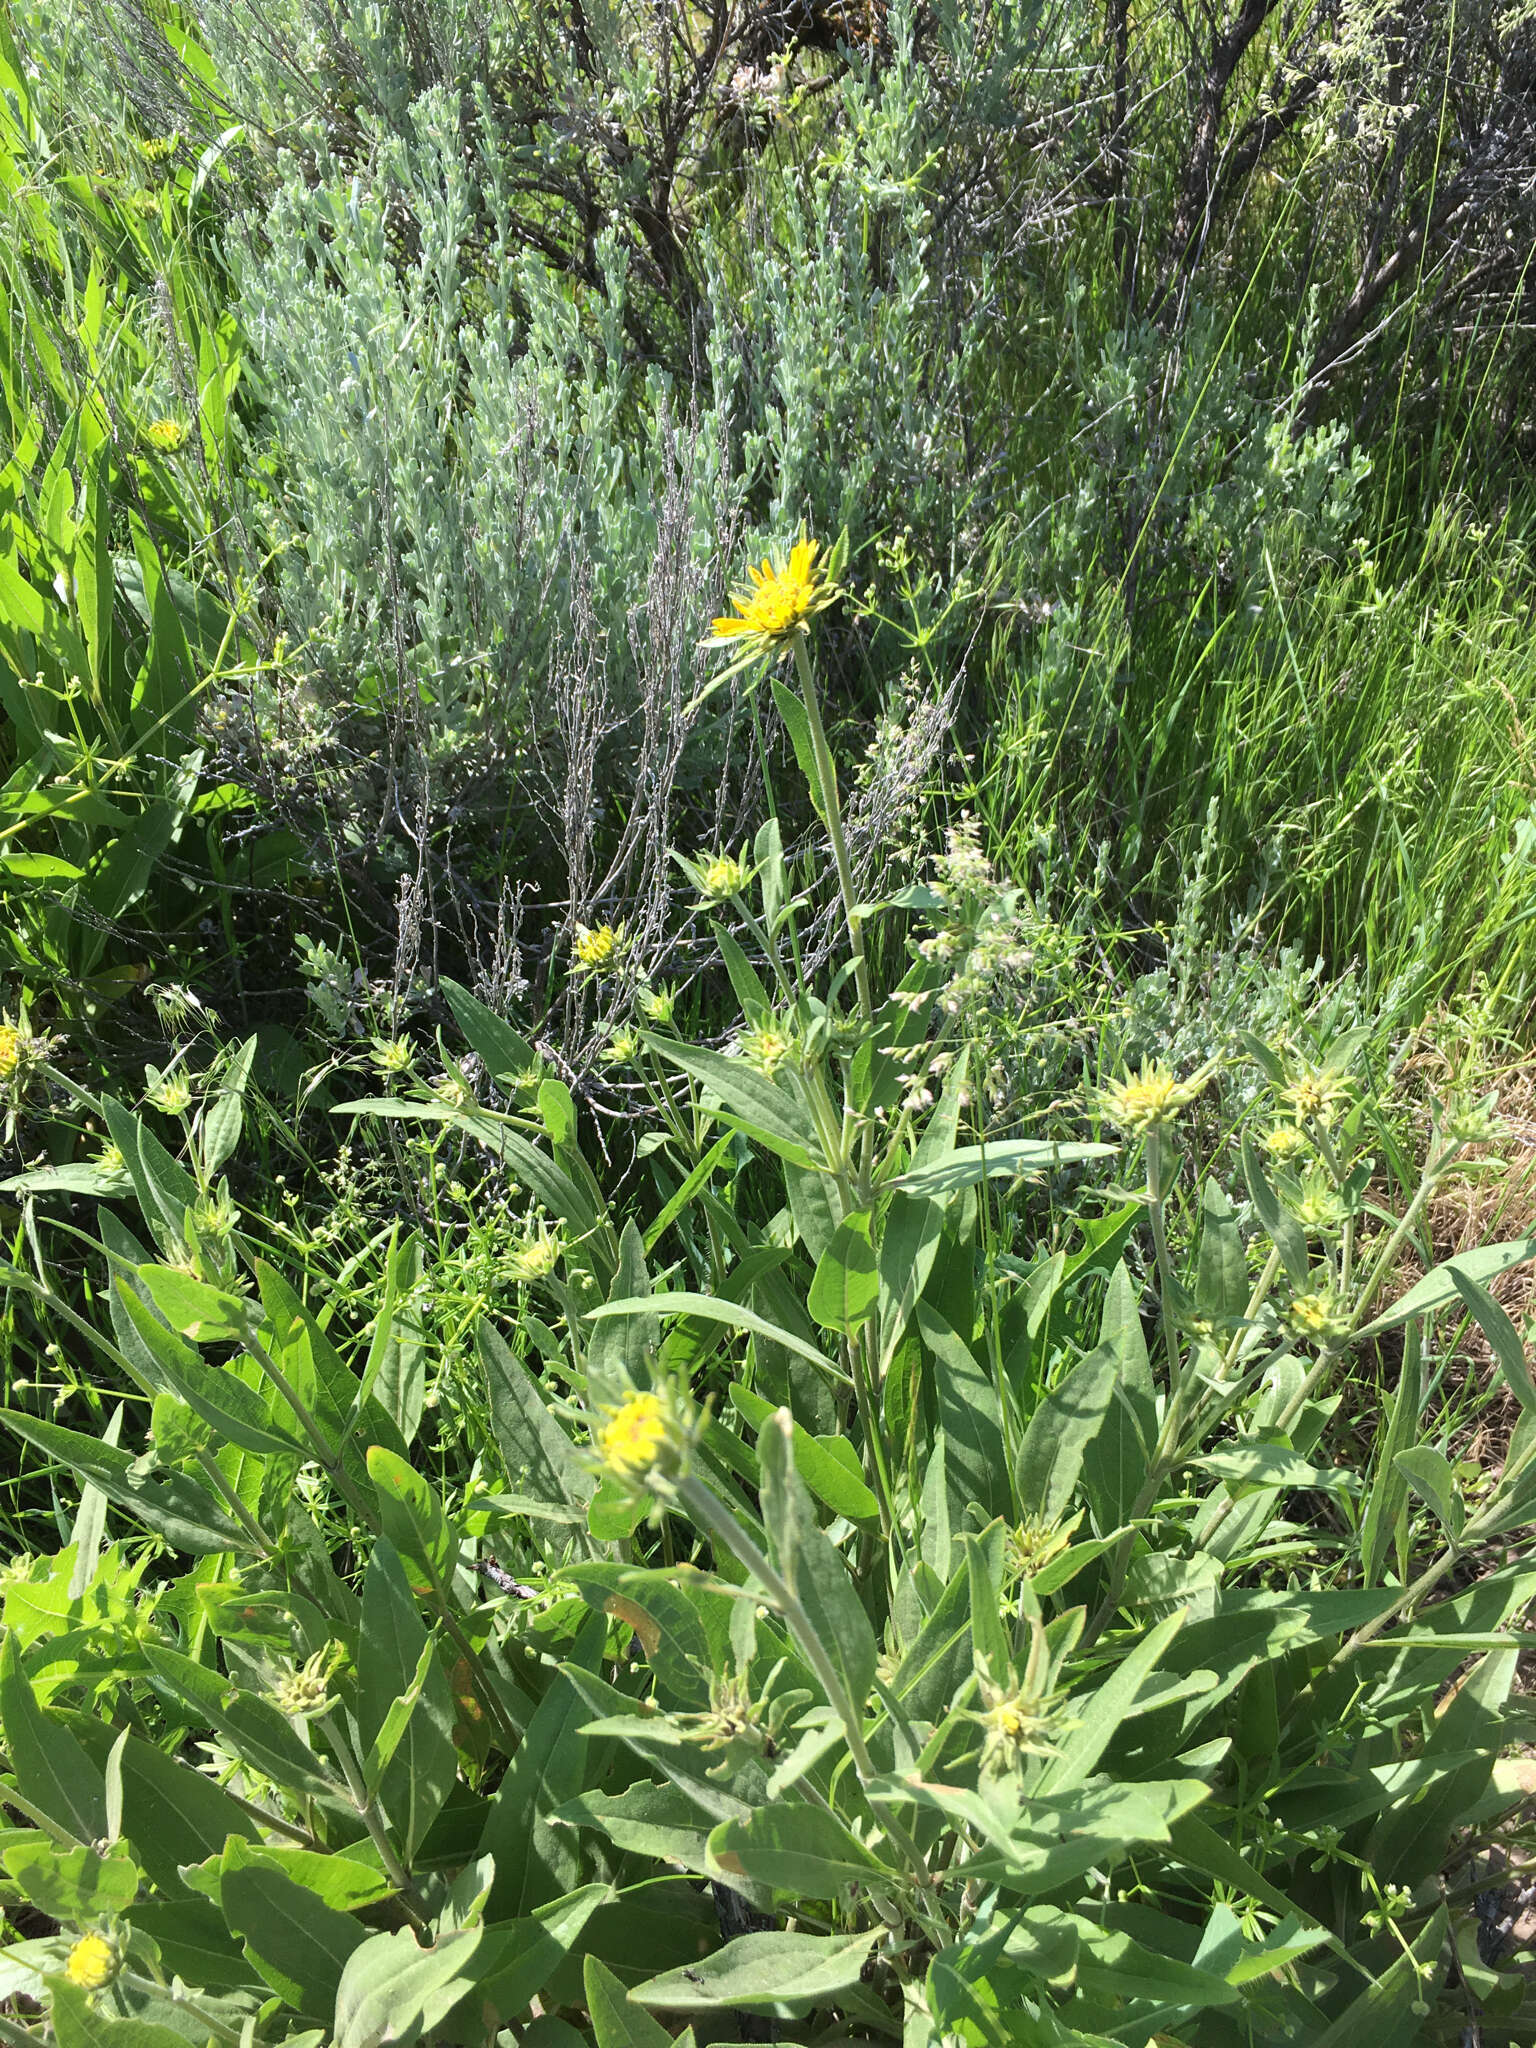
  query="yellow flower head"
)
[
  {"x": 635, "y": 1436},
  {"x": 721, "y": 876},
  {"x": 1142, "y": 1102},
  {"x": 772, "y": 608},
  {"x": 1285, "y": 1141},
  {"x": 92, "y": 1963},
  {"x": 1318, "y": 1206},
  {"x": 598, "y": 948},
  {"x": 171, "y": 1094},
  {"x": 658, "y": 1005},
  {"x": 392, "y": 1056},
  {"x": 1317, "y": 1094},
  {"x": 169, "y": 436},
  {"x": 1315, "y": 1316},
  {"x": 765, "y": 1047},
  {"x": 538, "y": 1255},
  {"x": 13, "y": 1046},
  {"x": 622, "y": 1050}
]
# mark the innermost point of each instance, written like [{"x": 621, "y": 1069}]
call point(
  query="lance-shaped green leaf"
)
[
  {"x": 223, "y": 1118},
  {"x": 710, "y": 1308},
  {"x": 1429, "y": 1473},
  {"x": 412, "y": 1515},
  {"x": 971, "y": 1164},
  {"x": 540, "y": 1458},
  {"x": 1285, "y": 1233},
  {"x": 55, "y": 1772},
  {"x": 238, "y": 1413},
  {"x": 846, "y": 1283},
  {"x": 509, "y": 1059},
  {"x": 828, "y": 1465},
  {"x": 72, "y": 1884},
  {"x": 402, "y": 1694},
  {"x": 170, "y": 1505},
  {"x": 756, "y": 1104},
  {"x": 393, "y": 1989},
  {"x": 793, "y": 1846},
  {"x": 812, "y": 1568},
  {"x": 1502, "y": 1335},
  {"x": 299, "y": 1945},
  {"x": 616, "y": 2019},
  {"x": 518, "y": 1959},
  {"x": 253, "y": 1726},
  {"x": 1438, "y": 1287},
  {"x": 1060, "y": 1432},
  {"x": 78, "y": 2022},
  {"x": 757, "y": 1972}
]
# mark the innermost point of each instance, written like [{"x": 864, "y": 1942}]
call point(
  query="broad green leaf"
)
[
  {"x": 78, "y": 2022},
  {"x": 1060, "y": 1431},
  {"x": 1387, "y": 1501},
  {"x": 617, "y": 2021},
  {"x": 1115, "y": 1460},
  {"x": 165, "y": 1189},
  {"x": 793, "y": 1846},
  {"x": 238, "y": 1413},
  {"x": 72, "y": 1884},
  {"x": 49, "y": 1764},
  {"x": 299, "y": 1945},
  {"x": 682, "y": 1628},
  {"x": 173, "y": 1815},
  {"x": 645, "y": 1819},
  {"x": 1249, "y": 1462},
  {"x": 812, "y": 1568},
  {"x": 412, "y": 1515},
  {"x": 1097, "y": 1717},
  {"x": 391, "y": 1644},
  {"x": 1502, "y": 1336},
  {"x": 1438, "y": 1287},
  {"x": 343, "y": 1881},
  {"x": 251, "y": 1725},
  {"x": 828, "y": 1466},
  {"x": 195, "y": 1943},
  {"x": 1412, "y": 1840},
  {"x": 171, "y": 1505},
  {"x": 974, "y": 1163},
  {"x": 393, "y": 1989},
  {"x": 846, "y": 1283},
  {"x": 224, "y": 1117},
  {"x": 1285, "y": 1233},
  {"x": 1222, "y": 1283},
  {"x": 509, "y": 1059},
  {"x": 975, "y": 1467},
  {"x": 760, "y": 1107},
  {"x": 517, "y": 1960},
  {"x": 534, "y": 1861},
  {"x": 1429, "y": 1473},
  {"x": 396, "y": 1371},
  {"x": 540, "y": 1458},
  {"x": 757, "y": 1972},
  {"x": 1381, "y": 2016}
]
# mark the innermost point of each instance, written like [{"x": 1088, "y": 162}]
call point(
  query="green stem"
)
[
  {"x": 368, "y": 1814},
  {"x": 319, "y": 1443},
  {"x": 826, "y": 775},
  {"x": 214, "y": 1473}
]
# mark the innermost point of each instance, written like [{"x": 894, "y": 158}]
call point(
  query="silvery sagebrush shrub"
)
[{"x": 861, "y": 1606}]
